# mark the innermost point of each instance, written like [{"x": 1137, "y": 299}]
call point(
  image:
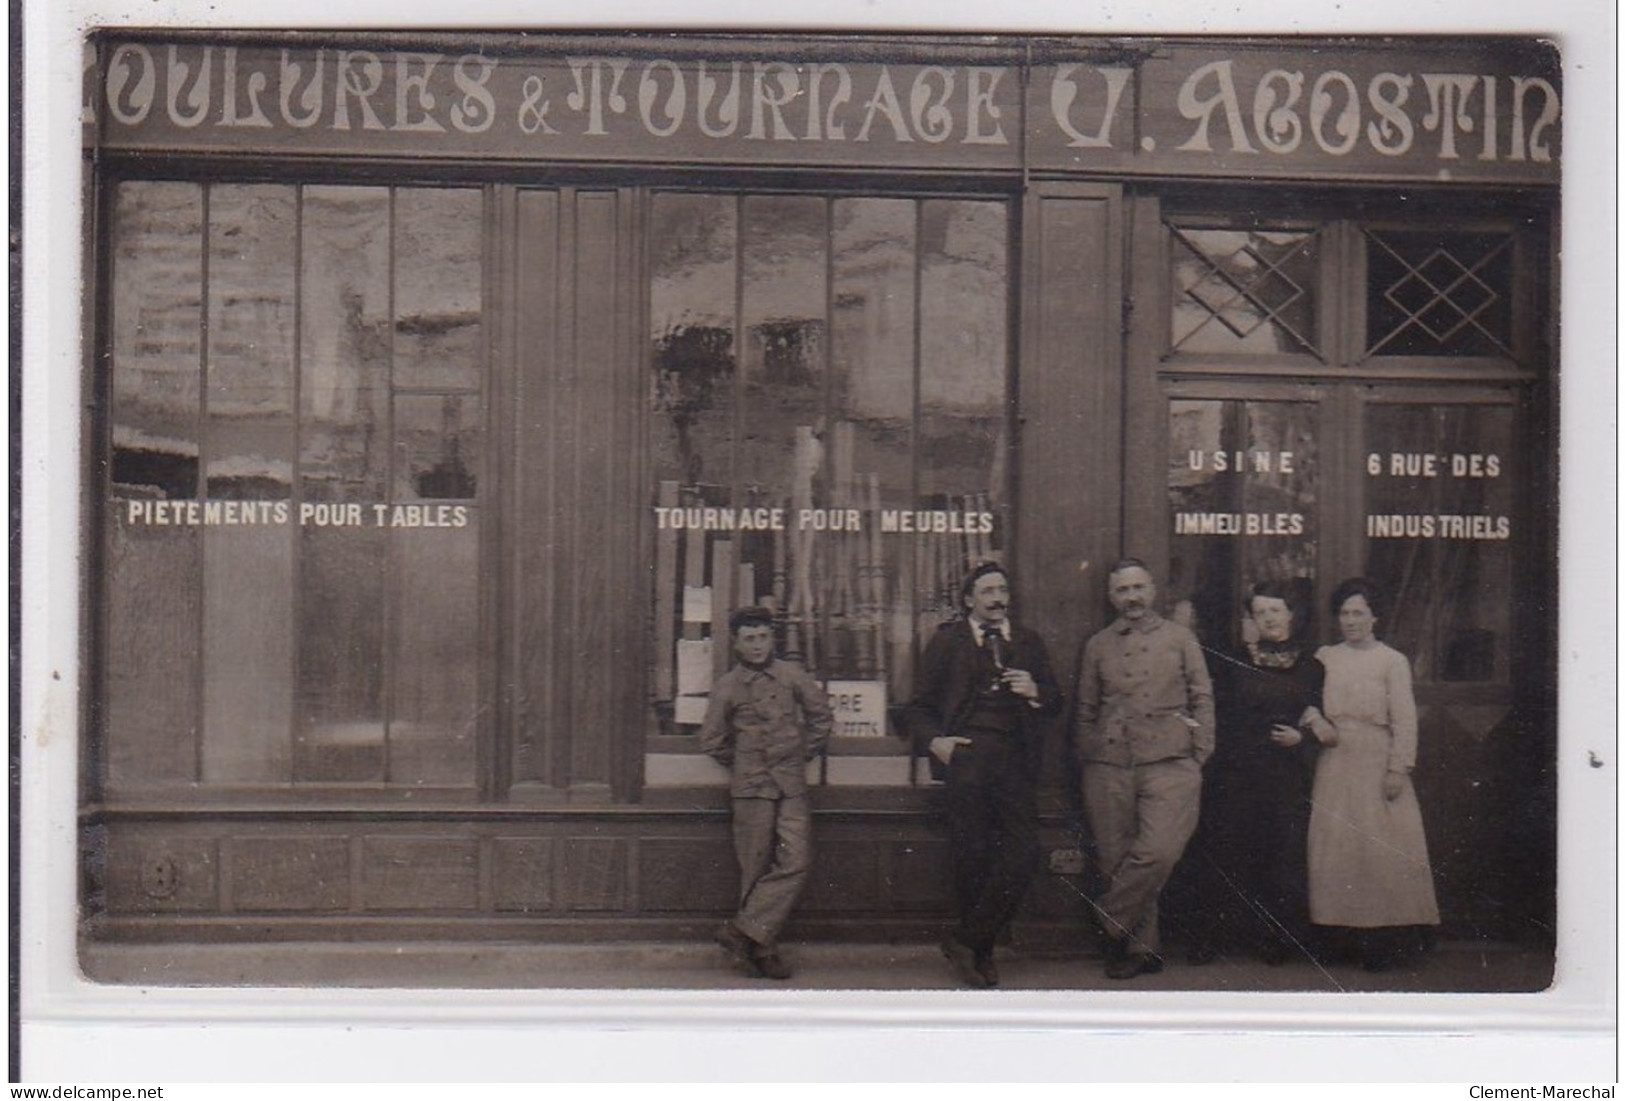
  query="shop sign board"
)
[{"x": 1414, "y": 112}]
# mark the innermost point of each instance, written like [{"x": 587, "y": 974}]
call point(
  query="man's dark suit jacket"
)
[{"x": 945, "y": 689}]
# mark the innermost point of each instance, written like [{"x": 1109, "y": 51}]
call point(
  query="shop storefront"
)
[{"x": 449, "y": 393}]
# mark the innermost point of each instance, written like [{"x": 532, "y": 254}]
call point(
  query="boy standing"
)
[{"x": 767, "y": 718}]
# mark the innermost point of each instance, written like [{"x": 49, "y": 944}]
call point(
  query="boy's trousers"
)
[{"x": 773, "y": 840}]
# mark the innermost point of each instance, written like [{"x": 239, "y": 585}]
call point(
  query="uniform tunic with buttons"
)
[
  {"x": 765, "y": 724},
  {"x": 1144, "y": 726},
  {"x": 1144, "y": 694}
]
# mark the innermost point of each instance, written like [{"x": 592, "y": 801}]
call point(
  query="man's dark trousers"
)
[{"x": 992, "y": 817}]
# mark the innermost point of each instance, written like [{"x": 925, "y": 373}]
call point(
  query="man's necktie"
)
[{"x": 995, "y": 644}]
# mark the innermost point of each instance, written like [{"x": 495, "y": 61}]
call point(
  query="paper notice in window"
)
[
  {"x": 697, "y": 604},
  {"x": 693, "y": 679},
  {"x": 859, "y": 706}
]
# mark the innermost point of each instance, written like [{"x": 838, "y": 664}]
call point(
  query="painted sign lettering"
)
[{"x": 1423, "y": 114}]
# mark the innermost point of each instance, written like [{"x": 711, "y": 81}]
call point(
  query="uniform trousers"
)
[
  {"x": 992, "y": 812},
  {"x": 1142, "y": 816},
  {"x": 773, "y": 841}
]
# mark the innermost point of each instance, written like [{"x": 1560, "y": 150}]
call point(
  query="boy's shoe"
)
[
  {"x": 963, "y": 959},
  {"x": 772, "y": 965},
  {"x": 740, "y": 948},
  {"x": 987, "y": 968}
]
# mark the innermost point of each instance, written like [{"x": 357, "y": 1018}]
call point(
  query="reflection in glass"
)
[
  {"x": 438, "y": 335},
  {"x": 157, "y": 328},
  {"x": 437, "y": 446},
  {"x": 694, "y": 241},
  {"x": 963, "y": 349},
  {"x": 434, "y": 654},
  {"x": 1243, "y": 489},
  {"x": 782, "y": 428},
  {"x": 248, "y": 654},
  {"x": 1244, "y": 290},
  {"x": 840, "y": 418},
  {"x": 251, "y": 300},
  {"x": 154, "y": 667},
  {"x": 785, "y": 237},
  {"x": 963, "y": 425},
  {"x": 313, "y": 651},
  {"x": 1449, "y": 587},
  {"x": 872, "y": 358},
  {"x": 782, "y": 304},
  {"x": 250, "y": 458},
  {"x": 249, "y": 432},
  {"x": 341, "y": 673},
  {"x": 345, "y": 346}
]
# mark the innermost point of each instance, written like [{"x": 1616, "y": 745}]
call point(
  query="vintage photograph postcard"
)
[{"x": 733, "y": 511}]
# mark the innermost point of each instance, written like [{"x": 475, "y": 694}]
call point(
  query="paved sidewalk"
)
[{"x": 1453, "y": 966}]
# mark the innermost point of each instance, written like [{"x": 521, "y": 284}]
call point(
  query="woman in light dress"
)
[{"x": 1368, "y": 858}]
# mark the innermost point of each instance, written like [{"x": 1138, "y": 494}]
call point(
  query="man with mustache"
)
[
  {"x": 983, "y": 691},
  {"x": 1144, "y": 728}
]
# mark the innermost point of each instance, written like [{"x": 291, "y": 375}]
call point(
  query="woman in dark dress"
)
[{"x": 1270, "y": 733}]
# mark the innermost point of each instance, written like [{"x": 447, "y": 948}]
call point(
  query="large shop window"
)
[
  {"x": 830, "y": 433},
  {"x": 292, "y": 540}
]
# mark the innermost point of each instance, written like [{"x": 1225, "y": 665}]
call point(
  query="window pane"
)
[
  {"x": 1439, "y": 529},
  {"x": 822, "y": 477},
  {"x": 694, "y": 241},
  {"x": 154, "y": 663},
  {"x": 1243, "y": 488},
  {"x": 341, "y": 652},
  {"x": 782, "y": 426},
  {"x": 250, "y": 458},
  {"x": 157, "y": 338},
  {"x": 345, "y": 347},
  {"x": 873, "y": 362},
  {"x": 247, "y": 654},
  {"x": 249, "y": 433},
  {"x": 1433, "y": 293},
  {"x": 439, "y": 340},
  {"x": 251, "y": 310},
  {"x": 782, "y": 311},
  {"x": 964, "y": 306},
  {"x": 1248, "y": 291},
  {"x": 434, "y": 650},
  {"x": 437, "y": 446},
  {"x": 963, "y": 424}
]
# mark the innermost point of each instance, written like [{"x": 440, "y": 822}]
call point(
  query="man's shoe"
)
[
  {"x": 772, "y": 965},
  {"x": 963, "y": 959},
  {"x": 740, "y": 948},
  {"x": 987, "y": 968},
  {"x": 1131, "y": 964}
]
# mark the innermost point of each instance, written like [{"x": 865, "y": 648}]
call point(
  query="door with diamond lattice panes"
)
[{"x": 1313, "y": 396}]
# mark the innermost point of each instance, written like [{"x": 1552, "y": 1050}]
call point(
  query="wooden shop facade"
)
[{"x": 445, "y": 393}]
